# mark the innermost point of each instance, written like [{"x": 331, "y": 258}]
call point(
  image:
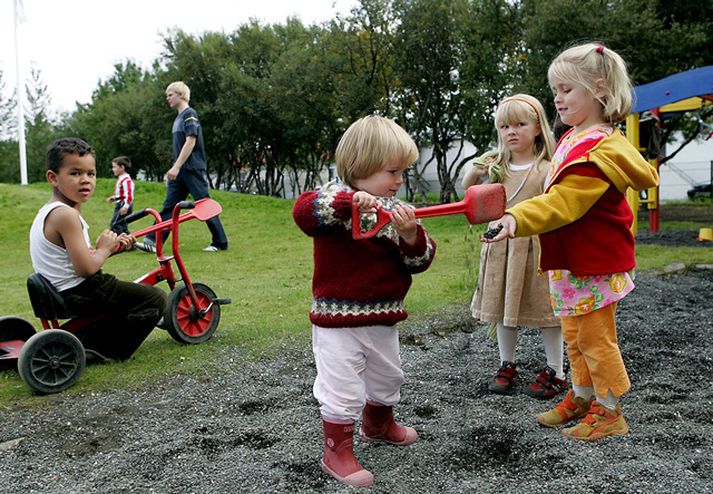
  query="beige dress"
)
[{"x": 510, "y": 290}]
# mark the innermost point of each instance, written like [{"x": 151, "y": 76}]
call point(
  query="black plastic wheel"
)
[
  {"x": 191, "y": 324},
  {"x": 51, "y": 361},
  {"x": 15, "y": 328}
]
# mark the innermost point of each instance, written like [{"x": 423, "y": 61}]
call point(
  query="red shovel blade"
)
[
  {"x": 482, "y": 203},
  {"x": 204, "y": 210}
]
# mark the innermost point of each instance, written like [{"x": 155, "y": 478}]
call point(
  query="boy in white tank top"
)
[{"x": 62, "y": 253}]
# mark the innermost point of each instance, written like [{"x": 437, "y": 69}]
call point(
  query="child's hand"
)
[
  {"x": 404, "y": 220},
  {"x": 107, "y": 241},
  {"x": 126, "y": 242},
  {"x": 366, "y": 202},
  {"x": 507, "y": 226}
]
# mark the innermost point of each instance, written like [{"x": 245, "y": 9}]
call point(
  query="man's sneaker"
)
[
  {"x": 571, "y": 408},
  {"x": 504, "y": 381},
  {"x": 213, "y": 248},
  {"x": 146, "y": 246},
  {"x": 546, "y": 385},
  {"x": 600, "y": 422}
]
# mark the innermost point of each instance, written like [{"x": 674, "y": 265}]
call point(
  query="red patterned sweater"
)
[{"x": 357, "y": 282}]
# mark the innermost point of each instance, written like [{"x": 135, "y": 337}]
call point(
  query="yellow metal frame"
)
[{"x": 632, "y": 196}]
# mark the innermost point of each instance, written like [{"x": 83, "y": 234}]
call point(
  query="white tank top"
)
[{"x": 50, "y": 260}]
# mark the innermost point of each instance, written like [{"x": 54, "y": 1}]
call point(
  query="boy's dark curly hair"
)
[{"x": 64, "y": 146}]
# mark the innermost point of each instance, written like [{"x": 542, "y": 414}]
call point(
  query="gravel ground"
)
[
  {"x": 673, "y": 238},
  {"x": 256, "y": 428}
]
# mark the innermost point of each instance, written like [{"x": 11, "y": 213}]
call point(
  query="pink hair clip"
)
[{"x": 600, "y": 49}]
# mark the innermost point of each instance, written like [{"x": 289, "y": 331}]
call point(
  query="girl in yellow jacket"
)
[{"x": 584, "y": 226}]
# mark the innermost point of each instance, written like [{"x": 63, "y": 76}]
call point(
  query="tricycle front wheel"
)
[{"x": 189, "y": 323}]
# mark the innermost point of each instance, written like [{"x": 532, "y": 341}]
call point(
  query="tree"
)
[
  {"x": 490, "y": 63},
  {"x": 362, "y": 53},
  {"x": 655, "y": 37},
  {"x": 127, "y": 116},
  {"x": 9, "y": 154},
  {"x": 40, "y": 126},
  {"x": 452, "y": 62},
  {"x": 305, "y": 113},
  {"x": 266, "y": 96},
  {"x": 8, "y": 121}
]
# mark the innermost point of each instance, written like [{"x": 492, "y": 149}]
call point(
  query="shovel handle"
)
[{"x": 383, "y": 218}]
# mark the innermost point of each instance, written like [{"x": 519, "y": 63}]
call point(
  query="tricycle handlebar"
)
[{"x": 135, "y": 216}]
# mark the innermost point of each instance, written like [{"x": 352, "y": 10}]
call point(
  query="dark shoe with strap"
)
[
  {"x": 504, "y": 381},
  {"x": 547, "y": 385}
]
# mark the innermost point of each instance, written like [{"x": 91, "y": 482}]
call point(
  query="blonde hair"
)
[
  {"x": 600, "y": 71},
  {"x": 520, "y": 108},
  {"x": 370, "y": 143},
  {"x": 181, "y": 89}
]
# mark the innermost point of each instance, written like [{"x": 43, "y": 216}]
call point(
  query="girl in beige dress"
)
[{"x": 510, "y": 291}]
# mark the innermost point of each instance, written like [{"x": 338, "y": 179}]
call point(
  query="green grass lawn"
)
[{"x": 266, "y": 272}]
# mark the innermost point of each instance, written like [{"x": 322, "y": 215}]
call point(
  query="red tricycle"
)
[{"x": 52, "y": 360}]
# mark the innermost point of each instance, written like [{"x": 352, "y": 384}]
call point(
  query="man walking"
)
[{"x": 188, "y": 173}]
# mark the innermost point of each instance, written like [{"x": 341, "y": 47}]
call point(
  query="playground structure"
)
[
  {"x": 52, "y": 360},
  {"x": 683, "y": 92}
]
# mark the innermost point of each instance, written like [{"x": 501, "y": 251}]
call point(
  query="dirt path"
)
[{"x": 255, "y": 426}]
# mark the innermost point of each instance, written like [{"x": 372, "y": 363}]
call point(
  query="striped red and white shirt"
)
[{"x": 124, "y": 190}]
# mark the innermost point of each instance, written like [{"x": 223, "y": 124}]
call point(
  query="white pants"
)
[{"x": 356, "y": 365}]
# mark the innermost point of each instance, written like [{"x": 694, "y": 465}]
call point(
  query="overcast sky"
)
[{"x": 76, "y": 43}]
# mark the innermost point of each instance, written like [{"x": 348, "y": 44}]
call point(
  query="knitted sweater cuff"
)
[
  {"x": 342, "y": 205},
  {"x": 419, "y": 248}
]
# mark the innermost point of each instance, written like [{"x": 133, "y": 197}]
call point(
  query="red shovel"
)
[
  {"x": 482, "y": 203},
  {"x": 204, "y": 210}
]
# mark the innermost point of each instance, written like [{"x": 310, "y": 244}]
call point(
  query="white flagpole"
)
[{"x": 20, "y": 100}]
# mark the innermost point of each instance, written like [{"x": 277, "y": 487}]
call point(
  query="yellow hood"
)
[{"x": 623, "y": 164}]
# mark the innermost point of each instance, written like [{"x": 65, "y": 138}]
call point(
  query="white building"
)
[
  {"x": 692, "y": 165},
  {"x": 430, "y": 175}
]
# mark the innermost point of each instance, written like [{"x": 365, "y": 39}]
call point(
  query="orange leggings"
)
[{"x": 594, "y": 353}]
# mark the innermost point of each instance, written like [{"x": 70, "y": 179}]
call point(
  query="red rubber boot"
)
[
  {"x": 338, "y": 459},
  {"x": 377, "y": 424}
]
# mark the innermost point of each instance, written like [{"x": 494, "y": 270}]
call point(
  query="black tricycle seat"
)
[{"x": 47, "y": 303}]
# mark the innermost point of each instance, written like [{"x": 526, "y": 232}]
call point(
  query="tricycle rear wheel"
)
[
  {"x": 191, "y": 324},
  {"x": 51, "y": 361}
]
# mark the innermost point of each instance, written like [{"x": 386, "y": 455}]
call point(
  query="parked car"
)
[{"x": 701, "y": 189}]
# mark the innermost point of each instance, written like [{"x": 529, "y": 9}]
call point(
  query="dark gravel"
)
[
  {"x": 673, "y": 238},
  {"x": 255, "y": 426}
]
